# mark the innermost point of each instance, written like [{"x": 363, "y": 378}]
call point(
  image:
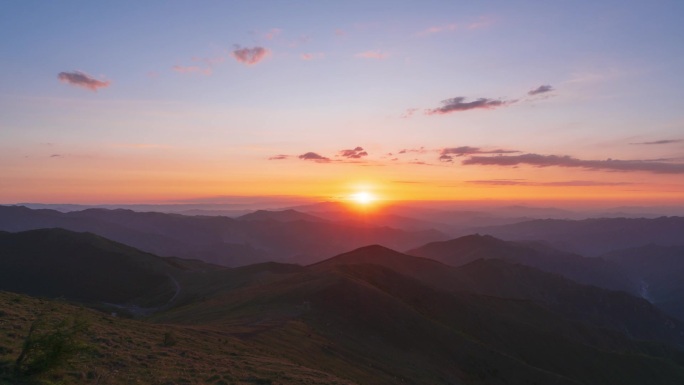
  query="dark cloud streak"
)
[
  {"x": 521, "y": 182},
  {"x": 667, "y": 141},
  {"x": 447, "y": 154},
  {"x": 540, "y": 90},
  {"x": 537, "y": 160},
  {"x": 458, "y": 104},
  {"x": 83, "y": 80}
]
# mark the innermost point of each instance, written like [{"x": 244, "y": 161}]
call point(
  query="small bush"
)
[
  {"x": 50, "y": 345},
  {"x": 169, "y": 339}
]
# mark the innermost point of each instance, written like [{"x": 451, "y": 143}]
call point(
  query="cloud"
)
[
  {"x": 522, "y": 182},
  {"x": 250, "y": 56},
  {"x": 667, "y": 141},
  {"x": 81, "y": 79},
  {"x": 372, "y": 55},
  {"x": 192, "y": 69},
  {"x": 447, "y": 154},
  {"x": 312, "y": 56},
  {"x": 459, "y": 104},
  {"x": 467, "y": 150},
  {"x": 540, "y": 90},
  {"x": 409, "y": 113},
  {"x": 314, "y": 157},
  {"x": 279, "y": 157},
  {"x": 273, "y": 33},
  {"x": 419, "y": 150},
  {"x": 656, "y": 167},
  {"x": 356, "y": 153},
  {"x": 56, "y": 156}
]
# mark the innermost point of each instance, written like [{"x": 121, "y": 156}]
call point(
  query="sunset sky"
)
[{"x": 161, "y": 101}]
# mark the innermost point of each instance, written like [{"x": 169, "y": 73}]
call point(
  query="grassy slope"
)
[{"x": 131, "y": 352}]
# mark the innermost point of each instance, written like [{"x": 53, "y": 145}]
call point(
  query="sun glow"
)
[{"x": 363, "y": 198}]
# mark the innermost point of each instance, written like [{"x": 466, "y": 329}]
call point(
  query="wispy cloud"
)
[
  {"x": 540, "y": 90},
  {"x": 205, "y": 67},
  {"x": 279, "y": 157},
  {"x": 372, "y": 55},
  {"x": 56, "y": 156},
  {"x": 314, "y": 157},
  {"x": 356, "y": 153},
  {"x": 458, "y": 104},
  {"x": 409, "y": 113},
  {"x": 420, "y": 162},
  {"x": 83, "y": 80},
  {"x": 656, "y": 167},
  {"x": 666, "y": 141},
  {"x": 312, "y": 56},
  {"x": 273, "y": 33},
  {"x": 522, "y": 182},
  {"x": 418, "y": 150},
  {"x": 250, "y": 56}
]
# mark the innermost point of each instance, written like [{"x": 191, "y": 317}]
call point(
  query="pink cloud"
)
[
  {"x": 372, "y": 55},
  {"x": 356, "y": 153},
  {"x": 250, "y": 56},
  {"x": 314, "y": 157},
  {"x": 273, "y": 33},
  {"x": 210, "y": 61},
  {"x": 83, "y": 80},
  {"x": 312, "y": 56}
]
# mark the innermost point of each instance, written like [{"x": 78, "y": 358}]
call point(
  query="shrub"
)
[
  {"x": 169, "y": 339},
  {"x": 49, "y": 345}
]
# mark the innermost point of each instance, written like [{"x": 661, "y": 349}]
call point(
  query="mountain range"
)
[{"x": 370, "y": 315}]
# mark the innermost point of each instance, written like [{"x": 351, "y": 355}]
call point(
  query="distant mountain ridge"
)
[
  {"x": 219, "y": 240},
  {"x": 593, "y": 237},
  {"x": 463, "y": 250}
]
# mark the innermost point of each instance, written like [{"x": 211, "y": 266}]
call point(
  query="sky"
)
[{"x": 163, "y": 101}]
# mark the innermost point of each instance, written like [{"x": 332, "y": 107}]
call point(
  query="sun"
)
[{"x": 363, "y": 198}]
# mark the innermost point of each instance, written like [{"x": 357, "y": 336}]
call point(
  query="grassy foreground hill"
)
[{"x": 123, "y": 352}]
